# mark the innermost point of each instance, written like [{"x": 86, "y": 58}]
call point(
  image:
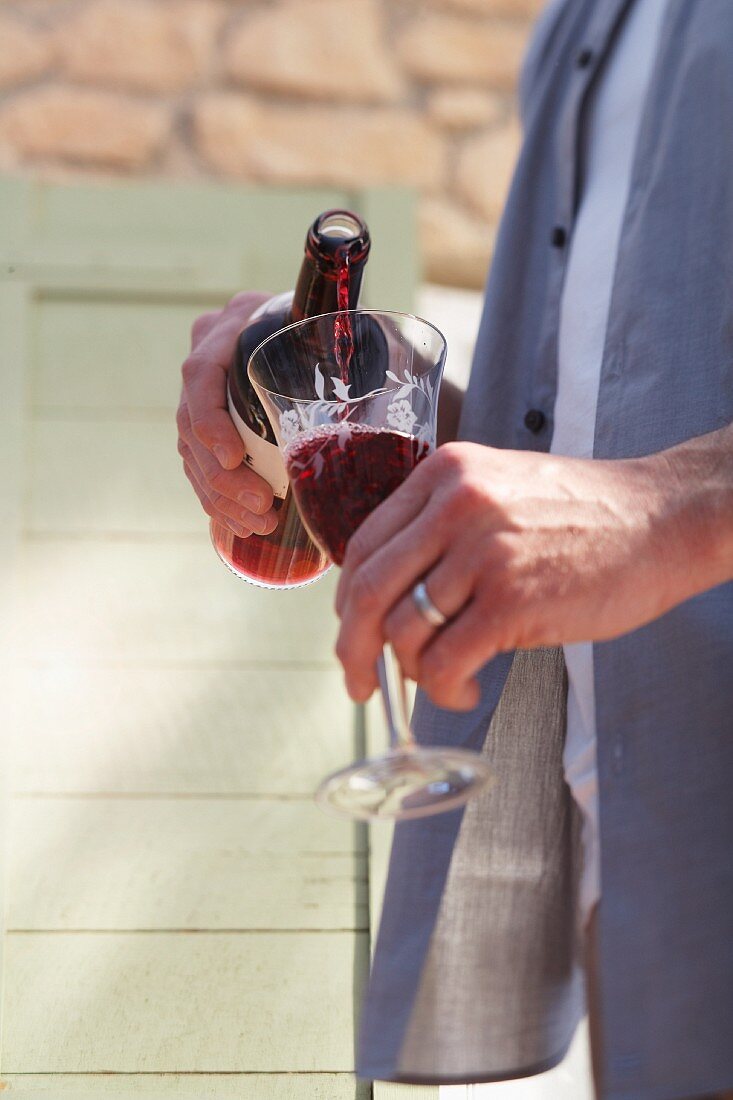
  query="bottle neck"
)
[{"x": 317, "y": 288}]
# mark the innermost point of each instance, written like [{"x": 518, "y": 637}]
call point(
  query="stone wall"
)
[{"x": 417, "y": 92}]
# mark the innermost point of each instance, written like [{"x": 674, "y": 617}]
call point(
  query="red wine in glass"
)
[{"x": 339, "y": 476}]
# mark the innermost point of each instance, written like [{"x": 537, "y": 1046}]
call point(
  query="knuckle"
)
[
  {"x": 246, "y": 301},
  {"x": 202, "y": 324},
  {"x": 354, "y": 550},
  {"x": 364, "y": 591},
  {"x": 343, "y": 649},
  {"x": 183, "y": 421},
  {"x": 190, "y": 368},
  {"x": 218, "y": 481},
  {"x": 436, "y": 669},
  {"x": 450, "y": 457},
  {"x": 219, "y": 502},
  {"x": 495, "y": 601},
  {"x": 461, "y": 499},
  {"x": 201, "y": 428},
  {"x": 470, "y": 493},
  {"x": 397, "y": 629}
]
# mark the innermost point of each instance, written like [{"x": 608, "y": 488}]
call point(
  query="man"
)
[{"x": 589, "y": 500}]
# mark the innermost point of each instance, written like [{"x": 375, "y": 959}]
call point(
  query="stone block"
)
[
  {"x": 25, "y": 53},
  {"x": 485, "y": 168},
  {"x": 238, "y": 137},
  {"x": 85, "y": 127},
  {"x": 454, "y": 50},
  {"x": 466, "y": 108},
  {"x": 139, "y": 46},
  {"x": 308, "y": 48},
  {"x": 455, "y": 245}
]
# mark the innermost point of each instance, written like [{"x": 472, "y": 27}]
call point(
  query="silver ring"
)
[{"x": 426, "y": 607}]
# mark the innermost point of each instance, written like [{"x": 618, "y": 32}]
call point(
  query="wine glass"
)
[{"x": 352, "y": 398}]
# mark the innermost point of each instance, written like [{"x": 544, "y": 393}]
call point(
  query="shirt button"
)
[
  {"x": 534, "y": 420},
  {"x": 558, "y": 237},
  {"x": 584, "y": 58}
]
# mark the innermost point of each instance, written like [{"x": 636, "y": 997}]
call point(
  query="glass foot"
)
[{"x": 405, "y": 784}]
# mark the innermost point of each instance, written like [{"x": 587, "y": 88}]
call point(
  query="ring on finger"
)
[{"x": 425, "y": 606}]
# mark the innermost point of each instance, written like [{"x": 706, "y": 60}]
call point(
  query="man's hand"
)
[
  {"x": 522, "y": 550},
  {"x": 209, "y": 444}
]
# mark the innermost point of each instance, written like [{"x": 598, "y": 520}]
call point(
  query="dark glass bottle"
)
[{"x": 336, "y": 249}]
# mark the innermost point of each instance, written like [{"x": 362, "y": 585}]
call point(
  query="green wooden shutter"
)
[{"x": 165, "y": 846}]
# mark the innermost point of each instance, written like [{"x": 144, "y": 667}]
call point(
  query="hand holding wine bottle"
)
[
  {"x": 232, "y": 494},
  {"x": 219, "y": 403}
]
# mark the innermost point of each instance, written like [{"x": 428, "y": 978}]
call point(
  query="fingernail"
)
[
  {"x": 238, "y": 530},
  {"x": 259, "y": 524},
  {"x": 221, "y": 454},
  {"x": 251, "y": 501}
]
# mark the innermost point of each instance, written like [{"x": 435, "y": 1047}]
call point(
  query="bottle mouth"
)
[
  {"x": 338, "y": 233},
  {"x": 339, "y": 223}
]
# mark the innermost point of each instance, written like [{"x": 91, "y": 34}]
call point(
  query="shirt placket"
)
[{"x": 586, "y": 61}]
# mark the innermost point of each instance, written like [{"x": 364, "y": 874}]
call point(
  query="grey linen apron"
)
[{"x": 476, "y": 974}]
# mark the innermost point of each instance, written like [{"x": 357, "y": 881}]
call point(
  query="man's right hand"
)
[{"x": 209, "y": 444}]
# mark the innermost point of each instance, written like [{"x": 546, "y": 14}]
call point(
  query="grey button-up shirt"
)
[{"x": 476, "y": 973}]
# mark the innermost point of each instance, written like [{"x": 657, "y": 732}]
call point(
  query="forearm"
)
[
  {"x": 697, "y": 495},
  {"x": 449, "y": 411}
]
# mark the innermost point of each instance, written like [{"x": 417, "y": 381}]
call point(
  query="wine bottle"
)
[{"x": 336, "y": 249}]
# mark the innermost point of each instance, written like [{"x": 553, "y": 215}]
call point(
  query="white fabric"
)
[{"x": 613, "y": 124}]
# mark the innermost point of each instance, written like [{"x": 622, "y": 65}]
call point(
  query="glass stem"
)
[{"x": 394, "y": 698}]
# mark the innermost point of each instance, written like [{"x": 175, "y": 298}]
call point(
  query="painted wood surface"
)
[
  {"x": 188, "y": 1086},
  {"x": 164, "y": 600},
  {"x": 118, "y": 477},
  {"x": 113, "y": 357},
  {"x": 193, "y": 729},
  {"x": 183, "y": 864},
  {"x": 141, "y": 1002},
  {"x": 182, "y": 921}
]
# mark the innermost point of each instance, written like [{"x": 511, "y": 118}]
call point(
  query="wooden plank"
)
[
  {"x": 264, "y": 227},
  {"x": 14, "y": 362},
  {"x": 190, "y": 730},
  {"x": 90, "y": 477},
  {"x": 164, "y": 600},
  {"x": 133, "y": 268},
  {"x": 14, "y": 313},
  {"x": 380, "y": 834},
  {"x": 380, "y": 843},
  {"x": 207, "y": 1002},
  {"x": 257, "y": 218},
  {"x": 182, "y": 864},
  {"x": 199, "y": 1086},
  {"x": 111, "y": 355},
  {"x": 92, "y": 226}
]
